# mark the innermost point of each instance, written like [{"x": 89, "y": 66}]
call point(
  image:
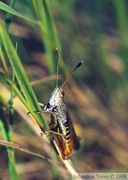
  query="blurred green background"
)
[{"x": 95, "y": 31}]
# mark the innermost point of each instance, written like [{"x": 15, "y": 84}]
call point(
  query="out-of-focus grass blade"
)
[
  {"x": 30, "y": 98},
  {"x": 4, "y": 78},
  {"x": 11, "y": 159},
  {"x": 50, "y": 41},
  {"x": 50, "y": 38},
  {"x": 10, "y": 10},
  {"x": 2, "y": 57}
]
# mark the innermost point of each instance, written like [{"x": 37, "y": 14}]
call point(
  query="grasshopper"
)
[{"x": 61, "y": 125}]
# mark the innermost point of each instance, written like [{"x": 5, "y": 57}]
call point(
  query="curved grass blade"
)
[
  {"x": 12, "y": 11},
  {"x": 30, "y": 99}
]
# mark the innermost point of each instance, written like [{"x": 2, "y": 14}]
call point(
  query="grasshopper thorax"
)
[{"x": 56, "y": 98}]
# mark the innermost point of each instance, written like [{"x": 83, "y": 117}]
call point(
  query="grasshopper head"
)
[{"x": 56, "y": 98}]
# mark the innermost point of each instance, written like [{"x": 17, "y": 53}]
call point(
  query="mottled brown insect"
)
[{"x": 61, "y": 125}]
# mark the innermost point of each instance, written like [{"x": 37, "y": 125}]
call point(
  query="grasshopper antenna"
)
[
  {"x": 57, "y": 66},
  {"x": 77, "y": 66}
]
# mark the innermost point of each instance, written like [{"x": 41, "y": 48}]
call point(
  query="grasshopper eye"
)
[{"x": 54, "y": 109}]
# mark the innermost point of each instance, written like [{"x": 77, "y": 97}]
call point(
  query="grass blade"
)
[
  {"x": 12, "y": 11},
  {"x": 30, "y": 98}
]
